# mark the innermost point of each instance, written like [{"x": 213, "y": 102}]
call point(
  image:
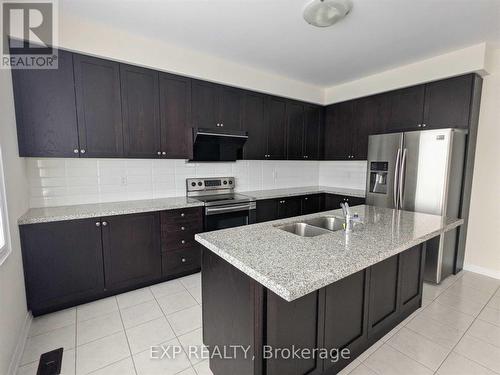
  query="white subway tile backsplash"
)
[{"x": 56, "y": 182}]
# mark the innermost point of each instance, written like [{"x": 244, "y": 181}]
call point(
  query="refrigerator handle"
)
[
  {"x": 402, "y": 175},
  {"x": 396, "y": 177}
]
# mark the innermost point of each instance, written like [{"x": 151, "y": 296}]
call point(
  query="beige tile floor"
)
[{"x": 457, "y": 331}]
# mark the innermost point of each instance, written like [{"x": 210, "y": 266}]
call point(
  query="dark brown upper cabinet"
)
[
  {"x": 140, "y": 111},
  {"x": 368, "y": 119},
  {"x": 46, "y": 110},
  {"x": 253, "y": 121},
  {"x": 276, "y": 121},
  {"x": 175, "y": 116},
  {"x": 131, "y": 249},
  {"x": 313, "y": 127},
  {"x": 339, "y": 131},
  {"x": 407, "y": 108},
  {"x": 448, "y": 103},
  {"x": 98, "y": 104},
  {"x": 216, "y": 106},
  {"x": 295, "y": 130}
]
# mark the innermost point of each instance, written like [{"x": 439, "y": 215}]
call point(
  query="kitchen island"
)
[{"x": 269, "y": 289}]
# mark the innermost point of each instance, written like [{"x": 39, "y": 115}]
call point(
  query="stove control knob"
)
[
  {"x": 225, "y": 182},
  {"x": 230, "y": 182},
  {"x": 193, "y": 183},
  {"x": 200, "y": 183}
]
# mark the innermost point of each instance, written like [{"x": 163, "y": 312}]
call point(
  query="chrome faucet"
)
[{"x": 348, "y": 217}]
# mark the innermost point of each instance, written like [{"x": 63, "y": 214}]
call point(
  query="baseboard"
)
[
  {"x": 18, "y": 353},
  {"x": 482, "y": 270}
]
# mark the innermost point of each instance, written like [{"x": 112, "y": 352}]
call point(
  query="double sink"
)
[{"x": 317, "y": 226}]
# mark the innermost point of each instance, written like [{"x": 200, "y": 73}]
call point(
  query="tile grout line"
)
[
  {"x": 126, "y": 336},
  {"x": 465, "y": 333}
]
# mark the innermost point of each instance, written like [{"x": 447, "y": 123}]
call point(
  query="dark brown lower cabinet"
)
[
  {"x": 350, "y": 314},
  {"x": 63, "y": 263},
  {"x": 131, "y": 248},
  {"x": 67, "y": 263},
  {"x": 333, "y": 201},
  {"x": 310, "y": 204}
]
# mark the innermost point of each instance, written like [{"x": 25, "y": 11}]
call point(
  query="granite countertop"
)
[
  {"x": 85, "y": 211},
  {"x": 290, "y": 192},
  {"x": 292, "y": 266}
]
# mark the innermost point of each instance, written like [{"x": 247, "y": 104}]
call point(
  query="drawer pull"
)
[
  {"x": 97, "y": 224},
  {"x": 183, "y": 242},
  {"x": 182, "y": 228},
  {"x": 104, "y": 223},
  {"x": 183, "y": 260},
  {"x": 183, "y": 214}
]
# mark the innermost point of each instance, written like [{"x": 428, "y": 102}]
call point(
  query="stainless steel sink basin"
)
[
  {"x": 303, "y": 229},
  {"x": 332, "y": 223}
]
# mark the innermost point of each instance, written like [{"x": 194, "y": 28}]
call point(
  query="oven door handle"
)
[{"x": 226, "y": 209}]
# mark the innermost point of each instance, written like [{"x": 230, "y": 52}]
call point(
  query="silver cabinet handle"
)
[
  {"x": 183, "y": 242},
  {"x": 104, "y": 223},
  {"x": 98, "y": 224},
  {"x": 424, "y": 125},
  {"x": 159, "y": 152},
  {"x": 419, "y": 125},
  {"x": 75, "y": 151},
  {"x": 164, "y": 153},
  {"x": 306, "y": 198},
  {"x": 222, "y": 125},
  {"x": 218, "y": 125},
  {"x": 182, "y": 228},
  {"x": 183, "y": 214},
  {"x": 183, "y": 260},
  {"x": 82, "y": 151}
]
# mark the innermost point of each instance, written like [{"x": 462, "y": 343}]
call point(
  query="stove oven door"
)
[{"x": 229, "y": 216}]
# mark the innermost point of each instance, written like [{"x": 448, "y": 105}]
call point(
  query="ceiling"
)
[{"x": 271, "y": 35}]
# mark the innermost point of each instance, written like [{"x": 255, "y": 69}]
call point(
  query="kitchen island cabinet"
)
[{"x": 291, "y": 301}]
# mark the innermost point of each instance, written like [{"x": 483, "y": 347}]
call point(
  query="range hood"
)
[{"x": 218, "y": 144}]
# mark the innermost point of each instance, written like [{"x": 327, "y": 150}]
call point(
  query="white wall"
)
[
  {"x": 467, "y": 60},
  {"x": 349, "y": 174},
  {"x": 13, "y": 312},
  {"x": 104, "y": 41},
  {"x": 483, "y": 236}
]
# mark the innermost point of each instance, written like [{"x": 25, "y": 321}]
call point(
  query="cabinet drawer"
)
[
  {"x": 173, "y": 220},
  {"x": 180, "y": 261},
  {"x": 178, "y": 240}
]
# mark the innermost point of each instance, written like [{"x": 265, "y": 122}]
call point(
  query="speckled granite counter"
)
[
  {"x": 292, "y": 266},
  {"x": 278, "y": 193},
  {"x": 83, "y": 211}
]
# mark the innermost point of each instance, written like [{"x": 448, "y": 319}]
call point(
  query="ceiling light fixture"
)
[{"x": 324, "y": 13}]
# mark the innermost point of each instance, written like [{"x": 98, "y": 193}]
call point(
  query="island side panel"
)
[{"x": 232, "y": 315}]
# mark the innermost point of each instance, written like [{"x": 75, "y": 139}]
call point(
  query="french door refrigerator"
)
[{"x": 420, "y": 171}]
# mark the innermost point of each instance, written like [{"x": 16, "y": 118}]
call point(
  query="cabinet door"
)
[
  {"x": 412, "y": 262},
  {"x": 205, "y": 104},
  {"x": 62, "y": 263},
  {"x": 338, "y": 131},
  {"x": 175, "y": 116},
  {"x": 46, "y": 110},
  {"x": 366, "y": 121},
  {"x": 131, "y": 248},
  {"x": 310, "y": 204},
  {"x": 230, "y": 102},
  {"x": 294, "y": 324},
  {"x": 140, "y": 111},
  {"x": 407, "y": 109},
  {"x": 276, "y": 125},
  {"x": 353, "y": 201},
  {"x": 383, "y": 306},
  {"x": 346, "y": 322},
  {"x": 312, "y": 132},
  {"x": 295, "y": 130},
  {"x": 98, "y": 103},
  {"x": 332, "y": 201},
  {"x": 447, "y": 103},
  {"x": 289, "y": 207},
  {"x": 253, "y": 121},
  {"x": 267, "y": 210}
]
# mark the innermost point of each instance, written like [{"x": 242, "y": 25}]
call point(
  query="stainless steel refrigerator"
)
[{"x": 420, "y": 171}]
